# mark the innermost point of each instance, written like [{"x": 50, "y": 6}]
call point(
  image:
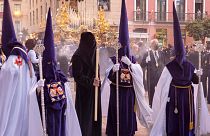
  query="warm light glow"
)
[{"x": 17, "y": 13}]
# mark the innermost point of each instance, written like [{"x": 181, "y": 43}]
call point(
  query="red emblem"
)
[{"x": 19, "y": 61}]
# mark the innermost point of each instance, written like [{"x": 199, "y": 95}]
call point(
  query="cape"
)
[
  {"x": 35, "y": 124},
  {"x": 144, "y": 112},
  {"x": 15, "y": 84},
  {"x": 159, "y": 106}
]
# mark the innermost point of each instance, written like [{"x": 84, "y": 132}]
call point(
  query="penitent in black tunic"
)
[{"x": 85, "y": 93}]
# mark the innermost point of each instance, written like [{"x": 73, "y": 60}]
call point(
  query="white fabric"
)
[
  {"x": 116, "y": 67},
  {"x": 126, "y": 60},
  {"x": 159, "y": 106},
  {"x": 32, "y": 56},
  {"x": 15, "y": 84},
  {"x": 72, "y": 123},
  {"x": 143, "y": 110}
]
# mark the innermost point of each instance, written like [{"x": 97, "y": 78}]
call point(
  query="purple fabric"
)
[
  {"x": 8, "y": 32},
  {"x": 55, "y": 111},
  {"x": 178, "y": 124},
  {"x": 178, "y": 42},
  {"x": 128, "y": 124},
  {"x": 123, "y": 31},
  {"x": 17, "y": 51},
  {"x": 49, "y": 52}
]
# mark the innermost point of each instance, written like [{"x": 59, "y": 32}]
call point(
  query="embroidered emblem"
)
[
  {"x": 19, "y": 61},
  {"x": 125, "y": 76},
  {"x": 56, "y": 91}
]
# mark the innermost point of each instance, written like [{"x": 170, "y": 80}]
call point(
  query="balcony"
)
[
  {"x": 140, "y": 16},
  {"x": 166, "y": 17}
]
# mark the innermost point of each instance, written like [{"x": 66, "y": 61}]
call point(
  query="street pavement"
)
[{"x": 142, "y": 131}]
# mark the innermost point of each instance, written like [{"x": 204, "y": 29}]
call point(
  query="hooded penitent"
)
[
  {"x": 179, "y": 48},
  {"x": 87, "y": 49},
  {"x": 10, "y": 45},
  {"x": 127, "y": 115},
  {"x": 123, "y": 32},
  {"x": 55, "y": 99}
]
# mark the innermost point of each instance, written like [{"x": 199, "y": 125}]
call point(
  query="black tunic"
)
[{"x": 84, "y": 76}]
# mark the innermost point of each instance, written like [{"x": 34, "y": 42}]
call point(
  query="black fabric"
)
[
  {"x": 87, "y": 49},
  {"x": 153, "y": 72},
  {"x": 84, "y": 76}
]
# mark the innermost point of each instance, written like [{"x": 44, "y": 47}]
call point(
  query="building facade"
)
[
  {"x": 153, "y": 18},
  {"x": 37, "y": 13},
  {"x": 19, "y": 15}
]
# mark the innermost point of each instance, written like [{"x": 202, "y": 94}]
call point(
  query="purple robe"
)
[
  {"x": 127, "y": 119},
  {"x": 181, "y": 96}
]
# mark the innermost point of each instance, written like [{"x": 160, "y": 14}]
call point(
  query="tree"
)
[{"x": 199, "y": 29}]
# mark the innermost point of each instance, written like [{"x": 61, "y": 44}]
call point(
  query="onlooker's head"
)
[
  {"x": 30, "y": 44},
  {"x": 154, "y": 44}
]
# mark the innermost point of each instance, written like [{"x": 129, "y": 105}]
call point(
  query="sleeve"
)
[
  {"x": 143, "y": 63},
  {"x": 195, "y": 79},
  {"x": 32, "y": 56},
  {"x": 79, "y": 77}
]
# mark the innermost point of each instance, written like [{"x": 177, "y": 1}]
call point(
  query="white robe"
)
[
  {"x": 159, "y": 106},
  {"x": 144, "y": 112},
  {"x": 35, "y": 125},
  {"x": 15, "y": 84}
]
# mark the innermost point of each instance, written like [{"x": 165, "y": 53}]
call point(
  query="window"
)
[
  {"x": 41, "y": 13},
  {"x": 104, "y": 4},
  {"x": 198, "y": 9},
  {"x": 17, "y": 26},
  {"x": 1, "y": 7},
  {"x": 180, "y": 8},
  {"x": 140, "y": 10},
  {"x": 30, "y": 19},
  {"x": 140, "y": 30},
  {"x": 17, "y": 7},
  {"x": 46, "y": 10},
  {"x": 33, "y": 18},
  {"x": 161, "y": 10},
  {"x": 161, "y": 35},
  {"x": 37, "y": 20}
]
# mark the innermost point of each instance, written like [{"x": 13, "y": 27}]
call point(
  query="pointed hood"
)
[
  {"x": 49, "y": 52},
  {"x": 50, "y": 70},
  {"x": 179, "y": 48},
  {"x": 8, "y": 32},
  {"x": 123, "y": 31}
]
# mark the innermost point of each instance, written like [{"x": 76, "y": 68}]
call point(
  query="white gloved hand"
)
[
  {"x": 148, "y": 59},
  {"x": 199, "y": 72},
  {"x": 126, "y": 60},
  {"x": 116, "y": 67},
  {"x": 40, "y": 83}
]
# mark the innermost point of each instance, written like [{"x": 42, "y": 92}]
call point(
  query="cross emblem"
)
[{"x": 19, "y": 61}]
